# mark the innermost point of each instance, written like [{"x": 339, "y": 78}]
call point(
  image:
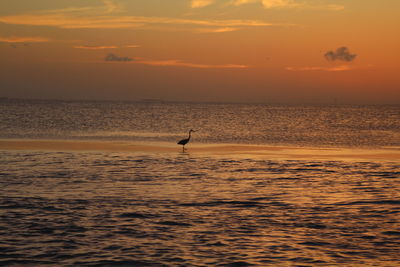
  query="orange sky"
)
[{"x": 201, "y": 50}]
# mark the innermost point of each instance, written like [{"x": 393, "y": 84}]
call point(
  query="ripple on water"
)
[
  {"x": 136, "y": 215},
  {"x": 202, "y": 211}
]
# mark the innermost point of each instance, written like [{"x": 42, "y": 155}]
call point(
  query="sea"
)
[{"x": 175, "y": 207}]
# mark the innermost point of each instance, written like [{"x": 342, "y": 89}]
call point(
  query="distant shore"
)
[{"x": 231, "y": 150}]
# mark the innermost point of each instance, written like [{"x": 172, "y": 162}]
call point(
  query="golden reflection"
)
[{"x": 234, "y": 150}]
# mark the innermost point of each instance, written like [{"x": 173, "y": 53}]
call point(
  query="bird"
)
[{"x": 183, "y": 142}]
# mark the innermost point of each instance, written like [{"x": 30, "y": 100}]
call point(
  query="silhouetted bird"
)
[{"x": 183, "y": 142}]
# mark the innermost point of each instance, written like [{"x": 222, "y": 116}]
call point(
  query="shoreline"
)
[{"x": 232, "y": 150}]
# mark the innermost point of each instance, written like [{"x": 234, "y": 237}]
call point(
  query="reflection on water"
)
[
  {"x": 298, "y": 125},
  {"x": 120, "y": 134},
  {"x": 99, "y": 209}
]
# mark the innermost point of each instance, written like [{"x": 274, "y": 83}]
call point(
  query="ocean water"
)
[
  {"x": 307, "y": 125},
  {"x": 179, "y": 208}
]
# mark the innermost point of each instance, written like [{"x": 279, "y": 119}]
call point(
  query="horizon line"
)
[{"x": 331, "y": 102}]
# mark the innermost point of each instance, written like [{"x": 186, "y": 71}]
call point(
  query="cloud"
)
[
  {"x": 218, "y": 30},
  {"x": 132, "y": 46},
  {"x": 66, "y": 21},
  {"x": 179, "y": 63},
  {"x": 92, "y": 47},
  {"x": 114, "y": 22},
  {"x": 265, "y": 3},
  {"x": 279, "y": 3},
  {"x": 171, "y": 63},
  {"x": 200, "y": 3},
  {"x": 101, "y": 47},
  {"x": 242, "y": 2},
  {"x": 270, "y": 4},
  {"x": 341, "y": 54},
  {"x": 99, "y": 17},
  {"x": 108, "y": 6},
  {"x": 112, "y": 57},
  {"x": 330, "y": 69},
  {"x": 23, "y": 40}
]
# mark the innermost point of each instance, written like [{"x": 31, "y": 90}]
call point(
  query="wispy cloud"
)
[
  {"x": 105, "y": 17},
  {"x": 330, "y": 69},
  {"x": 72, "y": 22},
  {"x": 242, "y": 2},
  {"x": 170, "y": 63},
  {"x": 23, "y": 40},
  {"x": 180, "y": 63},
  {"x": 281, "y": 4},
  {"x": 106, "y": 7},
  {"x": 218, "y": 30},
  {"x": 200, "y": 3},
  {"x": 93, "y": 47},
  {"x": 102, "y": 47},
  {"x": 114, "y": 22}
]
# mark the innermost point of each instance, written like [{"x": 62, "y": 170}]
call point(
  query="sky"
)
[{"x": 201, "y": 50}]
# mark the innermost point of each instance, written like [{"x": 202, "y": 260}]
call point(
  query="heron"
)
[{"x": 183, "y": 142}]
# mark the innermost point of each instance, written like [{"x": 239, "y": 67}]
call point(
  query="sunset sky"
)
[{"x": 201, "y": 50}]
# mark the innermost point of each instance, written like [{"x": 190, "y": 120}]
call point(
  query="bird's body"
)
[{"x": 183, "y": 142}]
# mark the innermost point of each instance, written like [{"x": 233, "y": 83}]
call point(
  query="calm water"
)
[
  {"x": 355, "y": 126},
  {"x": 185, "y": 209}
]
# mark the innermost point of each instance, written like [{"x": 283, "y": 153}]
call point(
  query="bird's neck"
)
[{"x": 190, "y": 133}]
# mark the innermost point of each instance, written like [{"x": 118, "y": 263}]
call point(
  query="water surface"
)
[{"x": 77, "y": 207}]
